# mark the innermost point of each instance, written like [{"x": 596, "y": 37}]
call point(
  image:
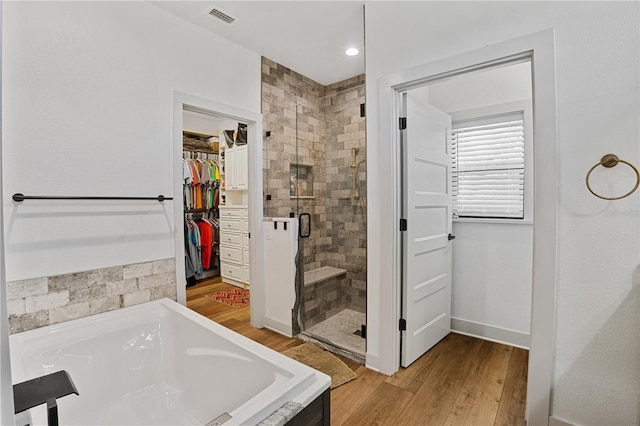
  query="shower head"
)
[{"x": 354, "y": 155}]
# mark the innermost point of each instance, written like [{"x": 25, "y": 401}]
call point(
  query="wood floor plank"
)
[
  {"x": 479, "y": 398},
  {"x": 346, "y": 399},
  {"x": 439, "y": 391},
  {"x": 514, "y": 394},
  {"x": 455, "y": 382},
  {"x": 411, "y": 379},
  {"x": 383, "y": 407}
]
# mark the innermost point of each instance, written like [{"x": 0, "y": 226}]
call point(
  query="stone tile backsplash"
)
[{"x": 39, "y": 302}]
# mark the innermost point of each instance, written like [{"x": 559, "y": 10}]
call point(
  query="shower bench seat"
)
[
  {"x": 321, "y": 274},
  {"x": 325, "y": 294}
]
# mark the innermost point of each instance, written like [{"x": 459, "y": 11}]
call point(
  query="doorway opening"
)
[
  {"x": 215, "y": 148},
  {"x": 466, "y": 232},
  {"x": 538, "y": 48},
  {"x": 467, "y": 161},
  {"x": 315, "y": 172},
  {"x": 205, "y": 193}
]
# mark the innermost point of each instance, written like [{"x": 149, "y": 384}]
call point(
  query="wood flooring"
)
[{"x": 460, "y": 381}]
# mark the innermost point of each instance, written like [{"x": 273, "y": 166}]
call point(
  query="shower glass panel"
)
[
  {"x": 314, "y": 168},
  {"x": 331, "y": 188},
  {"x": 281, "y": 182},
  {"x": 279, "y": 152}
]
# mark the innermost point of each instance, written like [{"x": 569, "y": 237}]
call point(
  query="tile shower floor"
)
[{"x": 340, "y": 328}]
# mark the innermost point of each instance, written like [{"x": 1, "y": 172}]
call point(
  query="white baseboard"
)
[
  {"x": 278, "y": 326},
  {"x": 557, "y": 422},
  {"x": 372, "y": 362},
  {"x": 490, "y": 332}
]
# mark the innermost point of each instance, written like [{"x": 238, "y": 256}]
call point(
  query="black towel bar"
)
[{"x": 21, "y": 197}]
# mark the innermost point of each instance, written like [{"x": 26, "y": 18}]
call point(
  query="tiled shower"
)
[{"x": 314, "y": 152}]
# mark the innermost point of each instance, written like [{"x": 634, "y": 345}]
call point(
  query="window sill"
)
[{"x": 494, "y": 221}]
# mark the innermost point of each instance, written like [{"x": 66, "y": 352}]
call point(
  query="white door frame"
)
[
  {"x": 539, "y": 48},
  {"x": 254, "y": 146}
]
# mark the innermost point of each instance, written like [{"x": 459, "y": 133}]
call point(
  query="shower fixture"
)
[{"x": 355, "y": 165}]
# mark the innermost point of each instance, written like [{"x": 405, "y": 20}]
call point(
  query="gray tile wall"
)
[
  {"x": 44, "y": 301},
  {"x": 292, "y": 112},
  {"x": 324, "y": 299},
  {"x": 327, "y": 123},
  {"x": 346, "y": 215}
]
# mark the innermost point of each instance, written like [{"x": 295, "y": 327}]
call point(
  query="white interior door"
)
[{"x": 426, "y": 292}]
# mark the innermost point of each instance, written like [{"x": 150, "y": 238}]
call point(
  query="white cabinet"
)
[
  {"x": 236, "y": 168},
  {"x": 234, "y": 244},
  {"x": 234, "y": 215}
]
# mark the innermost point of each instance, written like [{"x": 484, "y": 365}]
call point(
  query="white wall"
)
[
  {"x": 597, "y": 354},
  {"x": 491, "y": 279},
  {"x": 88, "y": 111},
  {"x": 482, "y": 88},
  {"x": 6, "y": 393}
]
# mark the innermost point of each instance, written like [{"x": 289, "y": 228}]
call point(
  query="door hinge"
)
[
  {"x": 363, "y": 331},
  {"x": 362, "y": 110},
  {"x": 403, "y": 224},
  {"x": 403, "y": 324},
  {"x": 403, "y": 123}
]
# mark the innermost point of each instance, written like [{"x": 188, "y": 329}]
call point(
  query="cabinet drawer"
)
[
  {"x": 230, "y": 225},
  {"x": 233, "y": 239},
  {"x": 234, "y": 271},
  {"x": 235, "y": 213},
  {"x": 231, "y": 254}
]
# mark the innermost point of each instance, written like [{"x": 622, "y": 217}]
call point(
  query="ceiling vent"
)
[{"x": 217, "y": 13}]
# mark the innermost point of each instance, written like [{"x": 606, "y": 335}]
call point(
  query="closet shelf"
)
[
  {"x": 199, "y": 210},
  {"x": 198, "y": 134}
]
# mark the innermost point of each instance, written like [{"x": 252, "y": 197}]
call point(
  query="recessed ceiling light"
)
[{"x": 352, "y": 51}]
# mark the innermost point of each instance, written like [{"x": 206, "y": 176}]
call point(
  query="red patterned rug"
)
[{"x": 236, "y": 297}]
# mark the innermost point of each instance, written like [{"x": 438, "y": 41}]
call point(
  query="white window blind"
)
[{"x": 488, "y": 167}]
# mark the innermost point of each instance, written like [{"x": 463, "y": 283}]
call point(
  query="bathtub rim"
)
[{"x": 305, "y": 385}]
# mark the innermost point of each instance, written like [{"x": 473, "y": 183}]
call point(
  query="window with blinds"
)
[{"x": 488, "y": 167}]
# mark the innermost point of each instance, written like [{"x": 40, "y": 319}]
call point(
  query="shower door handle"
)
[{"x": 301, "y": 228}]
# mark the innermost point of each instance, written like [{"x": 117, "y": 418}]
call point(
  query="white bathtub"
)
[{"x": 160, "y": 364}]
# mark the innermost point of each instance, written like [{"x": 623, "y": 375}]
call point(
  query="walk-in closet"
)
[{"x": 215, "y": 183}]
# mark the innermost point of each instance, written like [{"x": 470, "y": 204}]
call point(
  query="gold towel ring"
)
[{"x": 608, "y": 161}]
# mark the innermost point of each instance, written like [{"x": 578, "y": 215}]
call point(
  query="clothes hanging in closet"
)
[
  {"x": 201, "y": 237},
  {"x": 194, "y": 246},
  {"x": 206, "y": 240},
  {"x": 201, "y": 183}
]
